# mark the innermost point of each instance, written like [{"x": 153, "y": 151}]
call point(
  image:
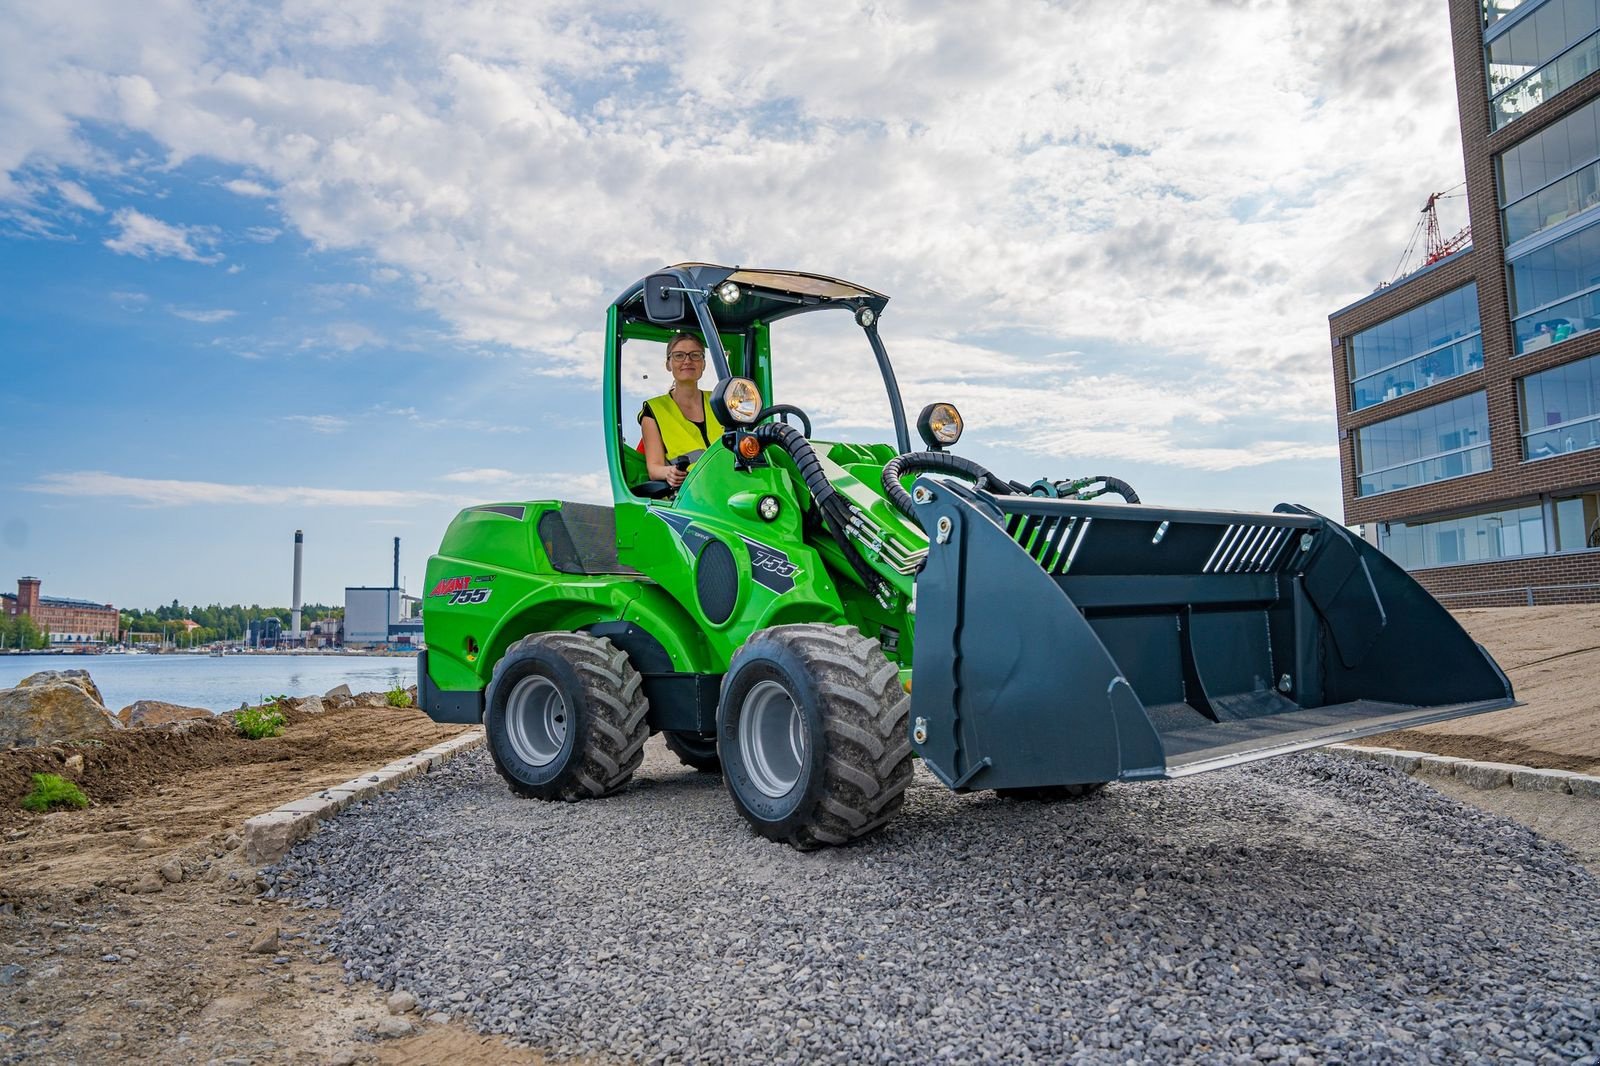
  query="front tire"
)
[
  {"x": 565, "y": 717},
  {"x": 812, "y": 728},
  {"x": 694, "y": 750}
]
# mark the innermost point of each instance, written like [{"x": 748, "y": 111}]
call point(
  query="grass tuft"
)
[
  {"x": 398, "y": 697},
  {"x": 53, "y": 790},
  {"x": 259, "y": 722}
]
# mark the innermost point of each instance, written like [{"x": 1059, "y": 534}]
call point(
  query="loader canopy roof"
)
[{"x": 765, "y": 295}]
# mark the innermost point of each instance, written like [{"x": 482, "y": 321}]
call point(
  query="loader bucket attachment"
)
[{"x": 1062, "y": 642}]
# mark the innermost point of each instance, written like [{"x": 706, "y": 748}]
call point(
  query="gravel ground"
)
[{"x": 1313, "y": 909}]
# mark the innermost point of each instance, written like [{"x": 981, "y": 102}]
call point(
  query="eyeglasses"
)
[{"x": 687, "y": 357}]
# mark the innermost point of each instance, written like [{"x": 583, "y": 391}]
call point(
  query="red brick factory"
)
[{"x": 65, "y": 621}]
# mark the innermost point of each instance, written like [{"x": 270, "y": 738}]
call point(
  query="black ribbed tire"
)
[
  {"x": 694, "y": 750},
  {"x": 565, "y": 717},
  {"x": 1051, "y": 793},
  {"x": 812, "y": 729}
]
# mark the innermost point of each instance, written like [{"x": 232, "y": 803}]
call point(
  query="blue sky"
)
[{"x": 344, "y": 268}]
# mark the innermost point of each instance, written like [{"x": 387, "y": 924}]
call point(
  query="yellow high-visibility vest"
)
[{"x": 679, "y": 435}]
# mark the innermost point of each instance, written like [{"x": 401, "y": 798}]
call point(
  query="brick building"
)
[
  {"x": 65, "y": 621},
  {"x": 1469, "y": 392}
]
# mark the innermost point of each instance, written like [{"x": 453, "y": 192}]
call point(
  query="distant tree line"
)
[
  {"x": 19, "y": 633},
  {"x": 218, "y": 622}
]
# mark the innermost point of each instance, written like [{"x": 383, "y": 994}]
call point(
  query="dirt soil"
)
[
  {"x": 103, "y": 959},
  {"x": 1552, "y": 656}
]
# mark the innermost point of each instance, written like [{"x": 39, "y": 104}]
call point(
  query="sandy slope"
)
[{"x": 1552, "y": 656}]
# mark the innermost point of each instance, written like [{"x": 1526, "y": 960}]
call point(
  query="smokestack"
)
[
  {"x": 396, "y": 564},
  {"x": 294, "y": 612}
]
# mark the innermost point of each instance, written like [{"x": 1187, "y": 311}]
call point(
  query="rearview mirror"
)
[{"x": 663, "y": 298}]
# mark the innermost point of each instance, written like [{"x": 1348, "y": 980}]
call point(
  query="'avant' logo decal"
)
[{"x": 455, "y": 586}]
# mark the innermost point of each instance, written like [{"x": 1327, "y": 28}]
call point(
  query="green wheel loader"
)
[{"x": 809, "y": 616}]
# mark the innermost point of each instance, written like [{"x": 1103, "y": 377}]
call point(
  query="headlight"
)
[
  {"x": 939, "y": 425},
  {"x": 728, "y": 292},
  {"x": 736, "y": 401}
]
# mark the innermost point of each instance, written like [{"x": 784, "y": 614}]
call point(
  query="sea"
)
[{"x": 219, "y": 683}]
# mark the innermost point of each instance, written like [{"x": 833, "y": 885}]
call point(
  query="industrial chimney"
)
[
  {"x": 294, "y": 612},
  {"x": 396, "y": 564}
]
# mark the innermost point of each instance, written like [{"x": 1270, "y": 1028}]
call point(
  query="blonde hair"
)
[{"x": 685, "y": 335}]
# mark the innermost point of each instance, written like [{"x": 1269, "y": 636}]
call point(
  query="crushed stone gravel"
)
[{"x": 1312, "y": 909}]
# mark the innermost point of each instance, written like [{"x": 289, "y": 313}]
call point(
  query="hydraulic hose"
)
[
  {"x": 937, "y": 462},
  {"x": 839, "y": 511},
  {"x": 1083, "y": 488}
]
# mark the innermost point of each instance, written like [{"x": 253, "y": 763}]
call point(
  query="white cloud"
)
[
  {"x": 209, "y": 316},
  {"x": 151, "y": 238},
  {"x": 486, "y": 476},
  {"x": 157, "y": 492},
  {"x": 319, "y": 423},
  {"x": 78, "y": 196},
  {"x": 263, "y": 234},
  {"x": 1200, "y": 208},
  {"x": 245, "y": 187}
]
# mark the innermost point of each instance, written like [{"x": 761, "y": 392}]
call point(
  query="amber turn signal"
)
[{"x": 749, "y": 447}]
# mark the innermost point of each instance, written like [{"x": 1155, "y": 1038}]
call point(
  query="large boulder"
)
[
  {"x": 50, "y": 707},
  {"x": 156, "y": 712},
  {"x": 80, "y": 678}
]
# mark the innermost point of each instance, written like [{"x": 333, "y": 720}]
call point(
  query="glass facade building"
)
[{"x": 1468, "y": 392}]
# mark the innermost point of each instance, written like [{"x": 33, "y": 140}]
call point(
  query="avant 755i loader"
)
[{"x": 810, "y": 615}]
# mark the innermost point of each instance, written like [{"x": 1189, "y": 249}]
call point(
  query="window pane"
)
[
  {"x": 1444, "y": 441},
  {"x": 1473, "y": 538},
  {"x": 1561, "y": 409},
  {"x": 1416, "y": 348}
]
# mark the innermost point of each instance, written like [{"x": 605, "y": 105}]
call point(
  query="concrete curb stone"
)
[
  {"x": 1482, "y": 775},
  {"x": 268, "y": 837},
  {"x": 1439, "y": 765}
]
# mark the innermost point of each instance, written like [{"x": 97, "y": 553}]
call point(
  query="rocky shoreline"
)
[{"x": 64, "y": 706}]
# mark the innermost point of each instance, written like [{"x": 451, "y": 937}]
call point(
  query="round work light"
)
[
  {"x": 939, "y": 425},
  {"x": 736, "y": 401}
]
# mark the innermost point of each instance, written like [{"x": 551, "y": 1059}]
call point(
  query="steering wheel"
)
[{"x": 787, "y": 409}]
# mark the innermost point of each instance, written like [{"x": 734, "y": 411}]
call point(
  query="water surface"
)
[{"x": 218, "y": 684}]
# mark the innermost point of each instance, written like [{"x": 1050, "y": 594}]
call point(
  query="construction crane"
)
[{"x": 1435, "y": 246}]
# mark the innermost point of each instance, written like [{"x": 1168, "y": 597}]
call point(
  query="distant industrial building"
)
[
  {"x": 381, "y": 616},
  {"x": 64, "y": 621},
  {"x": 265, "y": 633},
  {"x": 1469, "y": 391}
]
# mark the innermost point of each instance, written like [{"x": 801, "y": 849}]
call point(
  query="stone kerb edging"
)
[
  {"x": 268, "y": 837},
  {"x": 1484, "y": 775}
]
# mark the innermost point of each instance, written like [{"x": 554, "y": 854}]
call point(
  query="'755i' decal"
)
[{"x": 770, "y": 567}]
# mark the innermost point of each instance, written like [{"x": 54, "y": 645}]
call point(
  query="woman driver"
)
[{"x": 680, "y": 421}]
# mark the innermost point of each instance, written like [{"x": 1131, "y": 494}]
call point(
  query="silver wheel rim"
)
[
  {"x": 536, "y": 720},
  {"x": 772, "y": 739}
]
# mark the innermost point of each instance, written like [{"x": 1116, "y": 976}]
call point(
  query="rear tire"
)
[
  {"x": 694, "y": 750},
  {"x": 812, "y": 728},
  {"x": 565, "y": 717},
  {"x": 1052, "y": 793}
]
